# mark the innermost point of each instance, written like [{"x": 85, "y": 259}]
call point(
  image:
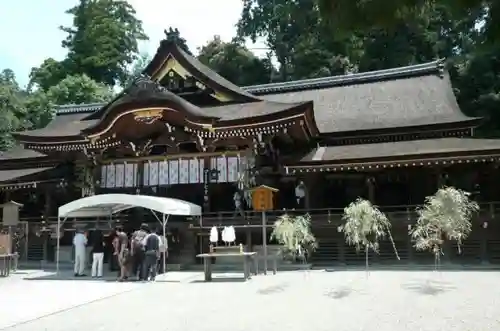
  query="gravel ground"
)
[{"x": 292, "y": 301}]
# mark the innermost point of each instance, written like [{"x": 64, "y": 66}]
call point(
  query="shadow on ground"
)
[
  {"x": 220, "y": 280},
  {"x": 273, "y": 289},
  {"x": 428, "y": 287},
  {"x": 339, "y": 293},
  {"x": 60, "y": 277},
  {"x": 412, "y": 268}
]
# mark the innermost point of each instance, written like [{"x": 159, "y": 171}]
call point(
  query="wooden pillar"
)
[
  {"x": 140, "y": 177},
  {"x": 46, "y": 215},
  {"x": 370, "y": 185},
  {"x": 409, "y": 242},
  {"x": 206, "y": 184},
  {"x": 248, "y": 240}
]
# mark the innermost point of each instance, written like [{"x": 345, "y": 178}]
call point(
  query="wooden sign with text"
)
[{"x": 263, "y": 198}]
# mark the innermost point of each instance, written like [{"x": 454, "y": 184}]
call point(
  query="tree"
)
[
  {"x": 365, "y": 225},
  {"x": 137, "y": 68},
  {"x": 78, "y": 90},
  {"x": 445, "y": 216},
  {"x": 346, "y": 17},
  {"x": 295, "y": 235},
  {"x": 103, "y": 40},
  {"x": 50, "y": 73},
  {"x": 12, "y": 109},
  {"x": 235, "y": 62},
  {"x": 477, "y": 85},
  {"x": 297, "y": 37}
]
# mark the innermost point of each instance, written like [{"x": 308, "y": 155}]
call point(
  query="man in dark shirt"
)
[
  {"x": 137, "y": 250},
  {"x": 97, "y": 254},
  {"x": 152, "y": 253}
]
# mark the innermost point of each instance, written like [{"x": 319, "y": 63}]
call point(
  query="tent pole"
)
[
  {"x": 156, "y": 216},
  {"x": 165, "y": 243}
]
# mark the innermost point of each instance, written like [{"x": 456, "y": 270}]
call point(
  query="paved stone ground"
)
[{"x": 302, "y": 301}]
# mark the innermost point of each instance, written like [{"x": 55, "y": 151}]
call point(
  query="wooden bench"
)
[
  {"x": 8, "y": 262},
  {"x": 247, "y": 258}
]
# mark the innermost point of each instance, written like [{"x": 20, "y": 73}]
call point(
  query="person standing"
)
[
  {"x": 98, "y": 254},
  {"x": 152, "y": 254},
  {"x": 80, "y": 243},
  {"x": 137, "y": 250},
  {"x": 122, "y": 252}
]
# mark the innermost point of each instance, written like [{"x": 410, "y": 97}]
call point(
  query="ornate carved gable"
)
[{"x": 183, "y": 74}]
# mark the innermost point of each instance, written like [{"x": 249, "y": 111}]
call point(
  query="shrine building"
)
[{"x": 182, "y": 131}]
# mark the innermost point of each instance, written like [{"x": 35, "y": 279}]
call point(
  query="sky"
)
[{"x": 29, "y": 29}]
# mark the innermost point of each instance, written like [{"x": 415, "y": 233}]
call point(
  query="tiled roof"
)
[
  {"x": 406, "y": 149},
  {"x": 18, "y": 174},
  {"x": 19, "y": 152},
  {"x": 418, "y": 95},
  {"x": 430, "y": 68}
]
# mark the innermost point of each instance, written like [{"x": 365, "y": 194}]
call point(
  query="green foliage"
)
[
  {"x": 445, "y": 216},
  {"x": 12, "y": 109},
  {"x": 295, "y": 235},
  {"x": 297, "y": 37},
  {"x": 103, "y": 40},
  {"x": 78, "y": 89},
  {"x": 136, "y": 69},
  {"x": 365, "y": 225},
  {"x": 235, "y": 62},
  {"x": 346, "y": 17}
]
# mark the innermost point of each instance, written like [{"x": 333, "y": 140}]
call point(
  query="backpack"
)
[
  {"x": 137, "y": 240},
  {"x": 153, "y": 243}
]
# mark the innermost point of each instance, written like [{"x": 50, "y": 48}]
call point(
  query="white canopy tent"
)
[{"x": 103, "y": 205}]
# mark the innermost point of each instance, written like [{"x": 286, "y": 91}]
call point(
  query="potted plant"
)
[
  {"x": 446, "y": 215},
  {"x": 364, "y": 226},
  {"x": 294, "y": 234}
]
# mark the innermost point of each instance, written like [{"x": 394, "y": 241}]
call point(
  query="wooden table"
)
[
  {"x": 8, "y": 262},
  {"x": 247, "y": 257}
]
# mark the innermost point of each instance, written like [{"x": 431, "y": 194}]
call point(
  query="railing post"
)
[{"x": 409, "y": 242}]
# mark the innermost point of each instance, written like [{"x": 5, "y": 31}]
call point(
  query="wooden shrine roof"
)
[
  {"x": 413, "y": 96},
  {"x": 415, "y": 152},
  {"x": 74, "y": 127},
  {"x": 11, "y": 175},
  {"x": 200, "y": 71},
  {"x": 419, "y": 95},
  {"x": 19, "y": 152},
  {"x": 29, "y": 178}
]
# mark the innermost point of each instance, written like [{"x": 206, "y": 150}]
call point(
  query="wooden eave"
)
[
  {"x": 393, "y": 162},
  {"x": 201, "y": 72},
  {"x": 49, "y": 140},
  {"x": 300, "y": 116},
  {"x": 31, "y": 177},
  {"x": 473, "y": 122},
  {"x": 131, "y": 107}
]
